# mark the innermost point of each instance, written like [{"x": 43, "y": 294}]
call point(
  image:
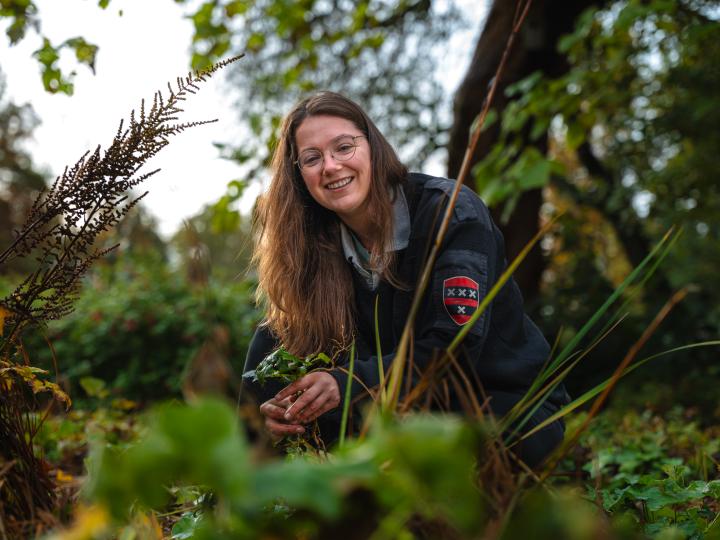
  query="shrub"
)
[{"x": 137, "y": 328}]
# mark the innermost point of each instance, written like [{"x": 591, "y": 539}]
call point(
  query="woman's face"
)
[{"x": 337, "y": 175}]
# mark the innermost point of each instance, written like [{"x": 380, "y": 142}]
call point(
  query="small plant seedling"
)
[{"x": 286, "y": 368}]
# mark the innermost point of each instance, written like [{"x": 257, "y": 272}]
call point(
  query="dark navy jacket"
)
[{"x": 504, "y": 350}]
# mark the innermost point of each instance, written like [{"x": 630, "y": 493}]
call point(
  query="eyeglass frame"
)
[{"x": 322, "y": 154}]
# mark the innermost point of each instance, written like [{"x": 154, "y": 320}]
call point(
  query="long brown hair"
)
[{"x": 305, "y": 283}]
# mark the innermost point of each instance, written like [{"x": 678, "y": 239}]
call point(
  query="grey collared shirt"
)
[{"x": 401, "y": 237}]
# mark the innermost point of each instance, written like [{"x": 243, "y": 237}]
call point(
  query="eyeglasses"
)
[{"x": 342, "y": 149}]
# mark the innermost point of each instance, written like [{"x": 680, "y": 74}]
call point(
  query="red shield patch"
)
[{"x": 460, "y": 297}]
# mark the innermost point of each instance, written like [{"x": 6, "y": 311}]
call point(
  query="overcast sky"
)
[{"x": 139, "y": 52}]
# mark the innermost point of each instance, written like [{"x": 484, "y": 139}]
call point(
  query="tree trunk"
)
[{"x": 534, "y": 50}]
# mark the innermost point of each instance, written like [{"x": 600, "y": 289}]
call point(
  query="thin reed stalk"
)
[
  {"x": 398, "y": 364},
  {"x": 348, "y": 394}
]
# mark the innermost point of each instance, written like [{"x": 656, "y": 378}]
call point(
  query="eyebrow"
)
[{"x": 335, "y": 139}]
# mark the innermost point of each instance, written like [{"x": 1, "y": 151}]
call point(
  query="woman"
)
[{"x": 344, "y": 224}]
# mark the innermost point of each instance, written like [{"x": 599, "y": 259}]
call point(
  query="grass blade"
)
[
  {"x": 629, "y": 357},
  {"x": 348, "y": 394},
  {"x": 378, "y": 351},
  {"x": 398, "y": 363},
  {"x": 659, "y": 250},
  {"x": 587, "y": 396}
]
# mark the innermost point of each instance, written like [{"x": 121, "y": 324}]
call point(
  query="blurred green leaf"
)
[
  {"x": 84, "y": 52},
  {"x": 236, "y": 7},
  {"x": 187, "y": 526},
  {"x": 426, "y": 460},
  {"x": 22, "y": 13},
  {"x": 198, "y": 444},
  {"x": 94, "y": 387},
  {"x": 255, "y": 42}
]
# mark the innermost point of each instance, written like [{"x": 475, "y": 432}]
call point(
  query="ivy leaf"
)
[
  {"x": 47, "y": 55},
  {"x": 285, "y": 367},
  {"x": 16, "y": 30},
  {"x": 199, "y": 444},
  {"x": 22, "y": 13}
]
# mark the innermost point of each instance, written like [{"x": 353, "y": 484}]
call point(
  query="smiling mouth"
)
[{"x": 340, "y": 183}]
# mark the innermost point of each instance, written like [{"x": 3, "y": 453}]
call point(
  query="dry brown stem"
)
[{"x": 61, "y": 233}]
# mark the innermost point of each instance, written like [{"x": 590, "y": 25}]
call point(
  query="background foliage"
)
[
  {"x": 631, "y": 125},
  {"x": 139, "y": 328}
]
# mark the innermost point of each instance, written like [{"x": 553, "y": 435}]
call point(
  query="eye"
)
[
  {"x": 310, "y": 159},
  {"x": 344, "y": 148}
]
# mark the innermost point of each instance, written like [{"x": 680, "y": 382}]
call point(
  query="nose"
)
[{"x": 330, "y": 163}]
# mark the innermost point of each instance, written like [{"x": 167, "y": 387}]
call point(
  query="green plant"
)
[
  {"x": 286, "y": 367},
  {"x": 138, "y": 328},
  {"x": 418, "y": 467},
  {"x": 661, "y": 473},
  {"x": 413, "y": 476}
]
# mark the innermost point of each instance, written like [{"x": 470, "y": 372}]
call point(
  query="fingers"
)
[
  {"x": 273, "y": 409},
  {"x": 321, "y": 394},
  {"x": 274, "y": 412},
  {"x": 303, "y": 401},
  {"x": 281, "y": 429},
  {"x": 292, "y": 389},
  {"x": 300, "y": 403},
  {"x": 318, "y": 407}
]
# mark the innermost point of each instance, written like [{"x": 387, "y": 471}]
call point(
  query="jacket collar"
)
[
  {"x": 401, "y": 238},
  {"x": 401, "y": 228}
]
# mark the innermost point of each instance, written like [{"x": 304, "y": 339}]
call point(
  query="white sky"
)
[{"x": 139, "y": 52}]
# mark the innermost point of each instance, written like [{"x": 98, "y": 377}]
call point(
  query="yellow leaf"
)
[
  {"x": 64, "y": 478},
  {"x": 90, "y": 522},
  {"x": 123, "y": 404},
  {"x": 148, "y": 527}
]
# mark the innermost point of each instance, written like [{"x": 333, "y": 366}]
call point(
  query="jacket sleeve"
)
[{"x": 463, "y": 270}]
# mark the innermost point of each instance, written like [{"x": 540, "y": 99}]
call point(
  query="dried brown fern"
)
[
  {"x": 89, "y": 198},
  {"x": 60, "y": 234}
]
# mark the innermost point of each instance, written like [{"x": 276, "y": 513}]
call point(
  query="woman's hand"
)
[
  {"x": 319, "y": 393},
  {"x": 274, "y": 412}
]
